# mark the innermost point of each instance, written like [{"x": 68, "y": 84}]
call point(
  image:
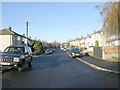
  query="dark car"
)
[
  {"x": 52, "y": 49},
  {"x": 75, "y": 52},
  {"x": 48, "y": 51},
  {"x": 16, "y": 57}
]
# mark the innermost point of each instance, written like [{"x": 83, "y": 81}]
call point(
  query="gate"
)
[{"x": 97, "y": 52}]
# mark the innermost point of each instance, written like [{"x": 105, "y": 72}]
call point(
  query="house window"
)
[
  {"x": 18, "y": 37},
  {"x": 113, "y": 43}
]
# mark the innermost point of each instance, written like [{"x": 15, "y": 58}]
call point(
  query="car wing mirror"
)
[{"x": 25, "y": 53}]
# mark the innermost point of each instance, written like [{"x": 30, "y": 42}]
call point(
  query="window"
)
[
  {"x": 26, "y": 50},
  {"x": 17, "y": 50}
]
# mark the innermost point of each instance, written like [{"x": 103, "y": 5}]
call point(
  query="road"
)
[{"x": 58, "y": 70}]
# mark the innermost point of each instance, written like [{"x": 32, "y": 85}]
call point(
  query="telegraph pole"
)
[{"x": 27, "y": 32}]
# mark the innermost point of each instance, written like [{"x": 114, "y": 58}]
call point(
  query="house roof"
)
[{"x": 7, "y": 31}]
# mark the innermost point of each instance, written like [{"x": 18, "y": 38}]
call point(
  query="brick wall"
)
[
  {"x": 112, "y": 49},
  {"x": 112, "y": 53}
]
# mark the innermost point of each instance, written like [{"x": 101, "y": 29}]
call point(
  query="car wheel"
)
[
  {"x": 72, "y": 56},
  {"x": 20, "y": 69},
  {"x": 81, "y": 56},
  {"x": 86, "y": 54},
  {"x": 30, "y": 64}
]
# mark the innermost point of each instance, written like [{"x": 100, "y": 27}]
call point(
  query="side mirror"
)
[{"x": 25, "y": 53}]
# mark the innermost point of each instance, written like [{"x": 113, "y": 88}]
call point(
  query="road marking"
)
[
  {"x": 97, "y": 67},
  {"x": 68, "y": 53}
]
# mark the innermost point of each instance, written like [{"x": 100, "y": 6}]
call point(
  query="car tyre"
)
[
  {"x": 81, "y": 56},
  {"x": 72, "y": 56},
  {"x": 30, "y": 64},
  {"x": 20, "y": 69}
]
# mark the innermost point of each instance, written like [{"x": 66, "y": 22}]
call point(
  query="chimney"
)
[
  {"x": 29, "y": 36},
  {"x": 23, "y": 34},
  {"x": 10, "y": 28}
]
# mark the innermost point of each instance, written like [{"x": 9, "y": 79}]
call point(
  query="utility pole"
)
[
  {"x": 10, "y": 28},
  {"x": 27, "y": 32}
]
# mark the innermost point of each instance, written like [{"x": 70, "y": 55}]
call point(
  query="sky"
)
[{"x": 52, "y": 21}]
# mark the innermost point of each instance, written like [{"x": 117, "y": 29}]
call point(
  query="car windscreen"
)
[
  {"x": 14, "y": 50},
  {"x": 75, "y": 50}
]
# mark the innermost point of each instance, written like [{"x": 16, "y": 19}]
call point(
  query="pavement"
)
[
  {"x": 114, "y": 66},
  {"x": 99, "y": 64}
]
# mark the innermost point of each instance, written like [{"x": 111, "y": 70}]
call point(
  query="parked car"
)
[
  {"x": 52, "y": 49},
  {"x": 64, "y": 49},
  {"x": 75, "y": 52},
  {"x": 16, "y": 57},
  {"x": 48, "y": 51}
]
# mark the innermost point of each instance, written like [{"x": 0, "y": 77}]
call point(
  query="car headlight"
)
[
  {"x": 73, "y": 53},
  {"x": 16, "y": 60}
]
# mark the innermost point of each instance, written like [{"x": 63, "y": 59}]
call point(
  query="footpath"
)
[{"x": 99, "y": 64}]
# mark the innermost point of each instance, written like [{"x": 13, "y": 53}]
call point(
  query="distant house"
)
[
  {"x": 72, "y": 43},
  {"x": 88, "y": 42},
  {"x": 75, "y": 43},
  {"x": 64, "y": 45},
  {"x": 82, "y": 42},
  {"x": 9, "y": 37},
  {"x": 92, "y": 38},
  {"x": 98, "y": 36}
]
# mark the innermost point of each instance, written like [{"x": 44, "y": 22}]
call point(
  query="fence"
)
[{"x": 97, "y": 52}]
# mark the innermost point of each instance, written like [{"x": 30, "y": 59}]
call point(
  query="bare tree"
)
[{"x": 111, "y": 17}]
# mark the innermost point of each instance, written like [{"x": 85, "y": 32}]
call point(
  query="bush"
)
[
  {"x": 96, "y": 43},
  {"x": 72, "y": 46},
  {"x": 84, "y": 48},
  {"x": 38, "y": 48}
]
